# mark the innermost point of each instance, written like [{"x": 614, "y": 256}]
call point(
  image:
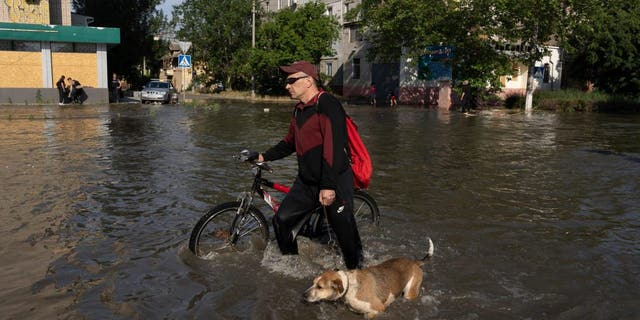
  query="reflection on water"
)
[{"x": 532, "y": 216}]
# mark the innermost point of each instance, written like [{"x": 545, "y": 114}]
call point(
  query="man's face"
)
[{"x": 297, "y": 84}]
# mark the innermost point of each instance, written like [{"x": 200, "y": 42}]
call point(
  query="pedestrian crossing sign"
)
[{"x": 184, "y": 61}]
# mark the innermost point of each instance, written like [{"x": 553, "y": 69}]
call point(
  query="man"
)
[
  {"x": 61, "y": 90},
  {"x": 318, "y": 136},
  {"x": 115, "y": 89},
  {"x": 465, "y": 98}
]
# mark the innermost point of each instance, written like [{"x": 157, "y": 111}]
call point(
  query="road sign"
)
[
  {"x": 538, "y": 72},
  {"x": 184, "y": 61},
  {"x": 184, "y": 46}
]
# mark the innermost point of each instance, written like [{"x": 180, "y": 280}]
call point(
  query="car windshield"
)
[{"x": 163, "y": 85}]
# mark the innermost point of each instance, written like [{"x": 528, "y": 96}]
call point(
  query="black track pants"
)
[{"x": 299, "y": 203}]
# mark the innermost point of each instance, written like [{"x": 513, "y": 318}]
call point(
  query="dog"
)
[{"x": 372, "y": 289}]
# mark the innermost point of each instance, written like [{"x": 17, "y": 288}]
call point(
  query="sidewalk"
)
[{"x": 236, "y": 96}]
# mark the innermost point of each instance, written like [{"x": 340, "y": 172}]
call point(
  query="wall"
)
[
  {"x": 32, "y": 96},
  {"x": 20, "y": 69},
  {"x": 80, "y": 66},
  {"x": 20, "y": 11}
]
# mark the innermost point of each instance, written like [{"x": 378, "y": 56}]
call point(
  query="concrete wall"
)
[{"x": 31, "y": 96}]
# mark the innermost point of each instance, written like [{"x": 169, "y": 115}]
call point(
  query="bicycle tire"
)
[
  {"x": 365, "y": 209},
  {"x": 219, "y": 230}
]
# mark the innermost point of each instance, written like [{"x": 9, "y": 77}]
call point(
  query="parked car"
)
[
  {"x": 159, "y": 91},
  {"x": 217, "y": 88}
]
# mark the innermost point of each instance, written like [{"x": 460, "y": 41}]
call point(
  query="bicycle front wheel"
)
[
  {"x": 365, "y": 209},
  {"x": 224, "y": 228}
]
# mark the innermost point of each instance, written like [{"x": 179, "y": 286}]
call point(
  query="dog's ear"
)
[{"x": 337, "y": 285}]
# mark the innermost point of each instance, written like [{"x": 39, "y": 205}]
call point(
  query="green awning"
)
[{"x": 57, "y": 33}]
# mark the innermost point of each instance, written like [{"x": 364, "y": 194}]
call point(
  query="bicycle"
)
[{"x": 239, "y": 225}]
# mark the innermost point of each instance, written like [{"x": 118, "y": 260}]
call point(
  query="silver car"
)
[{"x": 159, "y": 91}]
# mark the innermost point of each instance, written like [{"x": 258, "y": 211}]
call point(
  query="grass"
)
[{"x": 576, "y": 100}]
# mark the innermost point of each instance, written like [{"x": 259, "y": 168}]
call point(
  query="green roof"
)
[{"x": 57, "y": 33}]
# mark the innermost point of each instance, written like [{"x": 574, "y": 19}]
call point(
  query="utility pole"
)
[{"x": 253, "y": 47}]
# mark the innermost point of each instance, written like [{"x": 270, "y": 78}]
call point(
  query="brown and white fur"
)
[{"x": 372, "y": 289}]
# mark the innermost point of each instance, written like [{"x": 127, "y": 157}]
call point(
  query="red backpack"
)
[
  {"x": 358, "y": 154},
  {"x": 360, "y": 159}
]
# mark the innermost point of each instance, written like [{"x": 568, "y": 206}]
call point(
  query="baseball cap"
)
[{"x": 301, "y": 66}]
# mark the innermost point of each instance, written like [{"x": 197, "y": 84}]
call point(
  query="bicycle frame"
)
[{"x": 258, "y": 187}]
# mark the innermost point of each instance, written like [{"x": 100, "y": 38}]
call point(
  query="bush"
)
[{"x": 514, "y": 101}]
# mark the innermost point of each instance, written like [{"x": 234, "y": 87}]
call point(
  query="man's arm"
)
[{"x": 284, "y": 148}]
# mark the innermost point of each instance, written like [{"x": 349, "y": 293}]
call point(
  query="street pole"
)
[{"x": 253, "y": 46}]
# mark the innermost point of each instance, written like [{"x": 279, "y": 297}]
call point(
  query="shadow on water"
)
[
  {"x": 532, "y": 216},
  {"x": 617, "y": 154}
]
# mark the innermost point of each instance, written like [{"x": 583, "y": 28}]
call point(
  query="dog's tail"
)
[{"x": 429, "y": 251}]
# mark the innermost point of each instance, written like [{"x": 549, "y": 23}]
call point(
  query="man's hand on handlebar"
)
[{"x": 251, "y": 156}]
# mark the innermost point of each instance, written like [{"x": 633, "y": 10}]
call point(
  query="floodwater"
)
[{"x": 533, "y": 216}]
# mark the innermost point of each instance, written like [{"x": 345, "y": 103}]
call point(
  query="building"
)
[
  {"x": 351, "y": 73},
  {"x": 181, "y": 78},
  {"x": 40, "y": 40}
]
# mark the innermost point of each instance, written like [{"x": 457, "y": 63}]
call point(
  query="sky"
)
[{"x": 167, "y": 6}]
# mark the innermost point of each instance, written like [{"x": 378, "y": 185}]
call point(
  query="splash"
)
[{"x": 313, "y": 258}]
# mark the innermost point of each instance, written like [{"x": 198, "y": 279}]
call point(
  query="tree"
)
[
  {"x": 604, "y": 46},
  {"x": 133, "y": 17},
  {"x": 220, "y": 33},
  {"x": 532, "y": 24},
  {"x": 404, "y": 28},
  {"x": 305, "y": 33}
]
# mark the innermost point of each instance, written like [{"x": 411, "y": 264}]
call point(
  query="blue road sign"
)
[{"x": 184, "y": 61}]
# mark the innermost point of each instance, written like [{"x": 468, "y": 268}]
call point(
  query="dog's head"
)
[{"x": 331, "y": 285}]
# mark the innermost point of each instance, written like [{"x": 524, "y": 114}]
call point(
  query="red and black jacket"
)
[{"x": 318, "y": 136}]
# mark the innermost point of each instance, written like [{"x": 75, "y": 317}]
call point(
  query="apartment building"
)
[
  {"x": 40, "y": 40},
  {"x": 351, "y": 74}
]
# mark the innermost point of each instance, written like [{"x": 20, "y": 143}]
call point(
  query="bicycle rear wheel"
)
[
  {"x": 222, "y": 229},
  {"x": 365, "y": 209}
]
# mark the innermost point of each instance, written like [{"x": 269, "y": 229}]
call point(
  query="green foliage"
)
[
  {"x": 604, "y": 46},
  {"x": 39, "y": 99},
  {"x": 288, "y": 36},
  {"x": 220, "y": 33},
  {"x": 133, "y": 17},
  {"x": 403, "y": 28},
  {"x": 573, "y": 95}
]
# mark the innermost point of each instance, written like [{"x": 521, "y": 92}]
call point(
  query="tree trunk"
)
[{"x": 528, "y": 105}]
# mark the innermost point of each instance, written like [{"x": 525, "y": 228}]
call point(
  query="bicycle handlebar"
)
[{"x": 251, "y": 157}]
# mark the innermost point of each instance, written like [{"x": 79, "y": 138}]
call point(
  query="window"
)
[
  {"x": 85, "y": 47},
  {"x": 5, "y": 45},
  {"x": 61, "y": 47},
  {"x": 354, "y": 34},
  {"x": 330, "y": 69},
  {"x": 31, "y": 46},
  {"x": 356, "y": 68}
]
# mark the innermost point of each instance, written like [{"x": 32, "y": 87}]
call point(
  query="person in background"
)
[
  {"x": 372, "y": 93},
  {"x": 465, "y": 98},
  {"x": 318, "y": 136},
  {"x": 70, "y": 89},
  {"x": 62, "y": 90},
  {"x": 115, "y": 88},
  {"x": 393, "y": 101}
]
